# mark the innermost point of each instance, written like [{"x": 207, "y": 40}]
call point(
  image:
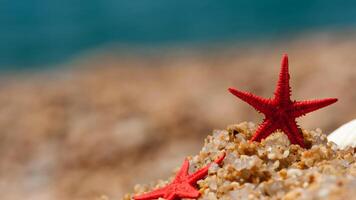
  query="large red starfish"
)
[
  {"x": 182, "y": 185},
  {"x": 280, "y": 112}
]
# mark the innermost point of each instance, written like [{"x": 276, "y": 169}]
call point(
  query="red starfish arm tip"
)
[
  {"x": 284, "y": 59},
  {"x": 259, "y": 103},
  {"x": 155, "y": 194},
  {"x": 220, "y": 158},
  {"x": 201, "y": 173},
  {"x": 283, "y": 90},
  {"x": 184, "y": 169},
  {"x": 301, "y": 108}
]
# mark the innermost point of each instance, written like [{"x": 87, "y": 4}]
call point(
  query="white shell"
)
[{"x": 345, "y": 135}]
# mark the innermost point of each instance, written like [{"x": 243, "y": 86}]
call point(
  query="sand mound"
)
[{"x": 272, "y": 169}]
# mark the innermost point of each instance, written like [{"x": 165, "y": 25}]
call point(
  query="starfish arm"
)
[
  {"x": 294, "y": 134},
  {"x": 301, "y": 108},
  {"x": 188, "y": 191},
  {"x": 260, "y": 104},
  {"x": 283, "y": 91},
  {"x": 220, "y": 158},
  {"x": 183, "y": 172},
  {"x": 201, "y": 173},
  {"x": 155, "y": 194},
  {"x": 266, "y": 128}
]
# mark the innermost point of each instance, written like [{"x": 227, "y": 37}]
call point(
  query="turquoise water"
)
[{"x": 43, "y": 32}]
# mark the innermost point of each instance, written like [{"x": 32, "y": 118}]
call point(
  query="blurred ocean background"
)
[{"x": 37, "y": 33}]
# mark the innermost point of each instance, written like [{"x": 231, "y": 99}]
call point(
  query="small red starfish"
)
[
  {"x": 182, "y": 185},
  {"x": 280, "y": 112}
]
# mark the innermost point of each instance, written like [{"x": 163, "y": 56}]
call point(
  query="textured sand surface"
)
[
  {"x": 272, "y": 169},
  {"x": 113, "y": 121}
]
